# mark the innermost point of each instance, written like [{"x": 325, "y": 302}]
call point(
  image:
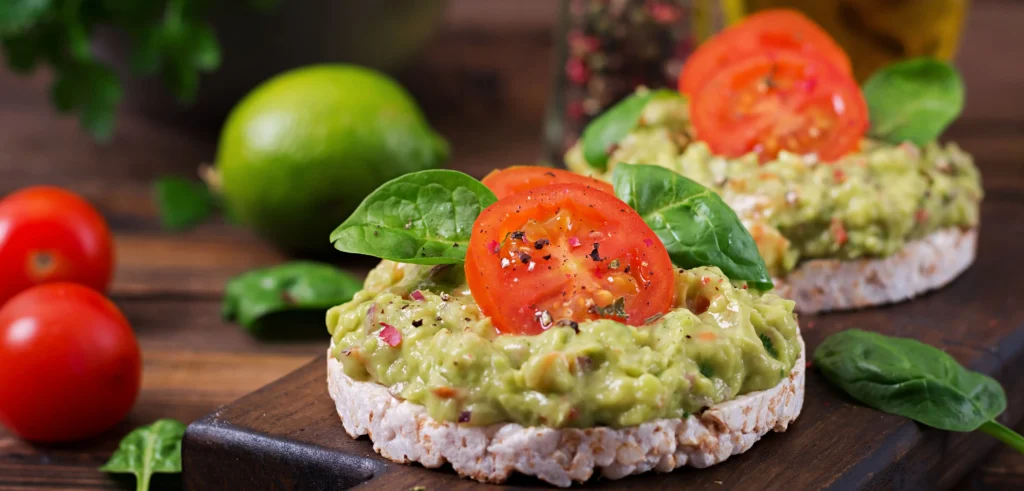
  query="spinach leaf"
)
[
  {"x": 912, "y": 379},
  {"x": 914, "y": 100},
  {"x": 148, "y": 450},
  {"x": 288, "y": 300},
  {"x": 612, "y": 126},
  {"x": 420, "y": 218},
  {"x": 693, "y": 222},
  {"x": 182, "y": 203}
]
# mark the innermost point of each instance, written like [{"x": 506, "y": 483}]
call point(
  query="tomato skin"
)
[
  {"x": 70, "y": 366},
  {"x": 521, "y": 178},
  {"x": 566, "y": 251},
  {"x": 780, "y": 100},
  {"x": 50, "y": 234},
  {"x": 773, "y": 29}
]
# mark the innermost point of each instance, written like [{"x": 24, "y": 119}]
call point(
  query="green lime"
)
[{"x": 302, "y": 150}]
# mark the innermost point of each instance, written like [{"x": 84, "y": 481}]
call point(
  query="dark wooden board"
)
[{"x": 287, "y": 435}]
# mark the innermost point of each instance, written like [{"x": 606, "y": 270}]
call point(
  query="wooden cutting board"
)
[{"x": 287, "y": 435}]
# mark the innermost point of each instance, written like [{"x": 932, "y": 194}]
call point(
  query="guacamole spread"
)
[
  {"x": 867, "y": 204},
  {"x": 417, "y": 330}
]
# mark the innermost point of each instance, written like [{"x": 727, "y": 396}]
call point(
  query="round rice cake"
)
[{"x": 403, "y": 432}]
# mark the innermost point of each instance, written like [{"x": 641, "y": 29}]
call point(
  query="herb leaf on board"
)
[
  {"x": 182, "y": 203},
  {"x": 693, "y": 222},
  {"x": 913, "y": 100},
  {"x": 155, "y": 448},
  {"x": 906, "y": 377},
  {"x": 257, "y": 298},
  {"x": 421, "y": 218},
  {"x": 614, "y": 124}
]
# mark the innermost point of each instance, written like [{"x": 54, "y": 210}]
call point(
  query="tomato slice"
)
[
  {"x": 516, "y": 179},
  {"x": 774, "y": 29},
  {"x": 780, "y": 101},
  {"x": 566, "y": 253}
]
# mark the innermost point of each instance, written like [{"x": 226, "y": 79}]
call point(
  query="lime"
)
[{"x": 302, "y": 150}]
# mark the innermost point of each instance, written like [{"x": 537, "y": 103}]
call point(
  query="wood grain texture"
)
[
  {"x": 181, "y": 383},
  {"x": 292, "y": 424}
]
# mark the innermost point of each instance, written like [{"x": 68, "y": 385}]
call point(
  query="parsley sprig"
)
[{"x": 172, "y": 38}]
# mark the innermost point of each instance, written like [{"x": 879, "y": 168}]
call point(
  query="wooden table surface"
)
[{"x": 169, "y": 285}]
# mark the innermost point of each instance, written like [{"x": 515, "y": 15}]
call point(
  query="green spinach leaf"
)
[
  {"x": 182, "y": 203},
  {"x": 420, "y": 218},
  {"x": 914, "y": 100},
  {"x": 612, "y": 126},
  {"x": 912, "y": 379},
  {"x": 693, "y": 222},
  {"x": 148, "y": 450},
  {"x": 288, "y": 300}
]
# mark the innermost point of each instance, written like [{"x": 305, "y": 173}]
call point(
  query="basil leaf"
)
[
  {"x": 288, "y": 300},
  {"x": 909, "y": 378},
  {"x": 693, "y": 222},
  {"x": 182, "y": 203},
  {"x": 420, "y": 218},
  {"x": 148, "y": 450},
  {"x": 914, "y": 100},
  {"x": 612, "y": 126}
]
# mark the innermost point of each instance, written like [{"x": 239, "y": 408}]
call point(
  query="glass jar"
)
[{"x": 607, "y": 48}]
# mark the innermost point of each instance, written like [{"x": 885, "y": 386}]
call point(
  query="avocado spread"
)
[
  {"x": 417, "y": 330},
  {"x": 867, "y": 204}
]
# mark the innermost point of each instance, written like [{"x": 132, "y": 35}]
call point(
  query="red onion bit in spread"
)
[
  {"x": 574, "y": 241},
  {"x": 371, "y": 317},
  {"x": 648, "y": 242},
  {"x": 417, "y": 295},
  {"x": 390, "y": 335},
  {"x": 493, "y": 246}
]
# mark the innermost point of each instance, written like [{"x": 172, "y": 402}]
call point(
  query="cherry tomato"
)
[
  {"x": 70, "y": 366},
  {"x": 49, "y": 234},
  {"x": 516, "y": 179},
  {"x": 776, "y": 29},
  {"x": 780, "y": 101},
  {"x": 566, "y": 253}
]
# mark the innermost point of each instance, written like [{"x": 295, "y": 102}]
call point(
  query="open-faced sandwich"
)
[
  {"x": 850, "y": 198},
  {"x": 540, "y": 322}
]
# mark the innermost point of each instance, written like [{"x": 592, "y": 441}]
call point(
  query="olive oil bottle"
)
[{"x": 877, "y": 32}]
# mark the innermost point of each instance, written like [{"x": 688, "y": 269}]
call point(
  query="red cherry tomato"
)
[
  {"x": 775, "y": 29},
  {"x": 70, "y": 366},
  {"x": 516, "y": 179},
  {"x": 566, "y": 253},
  {"x": 49, "y": 234},
  {"x": 780, "y": 100}
]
